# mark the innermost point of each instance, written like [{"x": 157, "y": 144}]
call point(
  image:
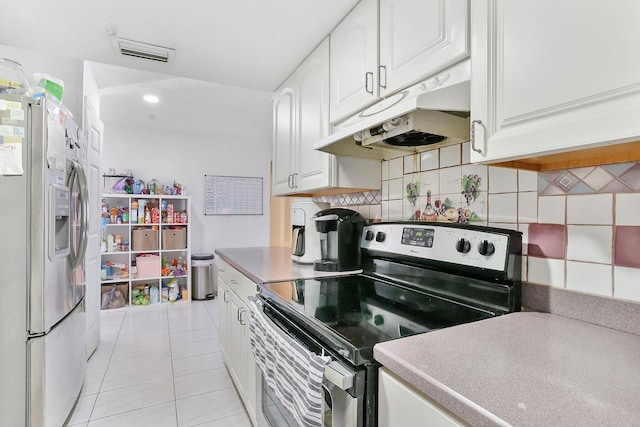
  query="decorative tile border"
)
[
  {"x": 352, "y": 199},
  {"x": 614, "y": 178}
]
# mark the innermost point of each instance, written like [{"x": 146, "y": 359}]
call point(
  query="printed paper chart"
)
[{"x": 232, "y": 195}]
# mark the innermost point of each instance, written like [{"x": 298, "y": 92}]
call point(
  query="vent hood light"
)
[
  {"x": 151, "y": 99},
  {"x": 141, "y": 50},
  {"x": 430, "y": 114}
]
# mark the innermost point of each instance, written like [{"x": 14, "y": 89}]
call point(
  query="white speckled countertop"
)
[
  {"x": 270, "y": 264},
  {"x": 524, "y": 369}
]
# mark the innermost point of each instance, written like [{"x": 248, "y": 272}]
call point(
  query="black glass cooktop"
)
[{"x": 351, "y": 314}]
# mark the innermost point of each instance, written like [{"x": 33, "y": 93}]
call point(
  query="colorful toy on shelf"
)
[
  {"x": 138, "y": 186},
  {"x": 165, "y": 271}
]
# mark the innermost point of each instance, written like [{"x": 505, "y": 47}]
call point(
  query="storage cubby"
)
[
  {"x": 145, "y": 246},
  {"x": 114, "y": 295}
]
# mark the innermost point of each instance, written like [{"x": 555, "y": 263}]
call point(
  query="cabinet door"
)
[
  {"x": 247, "y": 288},
  {"x": 419, "y": 38},
  {"x": 400, "y": 405},
  {"x": 553, "y": 76},
  {"x": 284, "y": 138},
  {"x": 251, "y": 385},
  {"x": 237, "y": 354},
  {"x": 354, "y": 61},
  {"x": 223, "y": 318},
  {"x": 312, "y": 90}
]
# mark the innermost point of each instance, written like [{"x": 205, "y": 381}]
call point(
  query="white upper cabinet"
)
[
  {"x": 354, "y": 60},
  {"x": 312, "y": 90},
  {"x": 553, "y": 76},
  {"x": 383, "y": 46},
  {"x": 300, "y": 119},
  {"x": 284, "y": 137},
  {"x": 420, "y": 38}
]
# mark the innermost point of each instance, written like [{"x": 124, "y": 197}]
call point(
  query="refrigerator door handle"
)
[{"x": 77, "y": 173}]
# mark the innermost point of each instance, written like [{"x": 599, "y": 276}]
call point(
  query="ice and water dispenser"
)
[{"x": 59, "y": 217}]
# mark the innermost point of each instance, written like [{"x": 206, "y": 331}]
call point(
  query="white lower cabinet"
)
[
  {"x": 401, "y": 405},
  {"x": 237, "y": 347},
  {"x": 223, "y": 314},
  {"x": 233, "y": 321}
]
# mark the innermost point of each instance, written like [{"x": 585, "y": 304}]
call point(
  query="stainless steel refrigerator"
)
[{"x": 43, "y": 223}]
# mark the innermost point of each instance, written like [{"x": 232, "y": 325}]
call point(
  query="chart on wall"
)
[{"x": 232, "y": 195}]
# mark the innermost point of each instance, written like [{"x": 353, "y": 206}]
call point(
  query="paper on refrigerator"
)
[
  {"x": 11, "y": 136},
  {"x": 56, "y": 142}
]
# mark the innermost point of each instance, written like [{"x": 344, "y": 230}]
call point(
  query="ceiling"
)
[
  {"x": 247, "y": 43},
  {"x": 236, "y": 48}
]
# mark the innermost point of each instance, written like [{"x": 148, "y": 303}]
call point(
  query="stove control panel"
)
[{"x": 475, "y": 247}]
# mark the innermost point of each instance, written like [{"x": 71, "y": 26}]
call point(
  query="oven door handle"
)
[{"x": 336, "y": 374}]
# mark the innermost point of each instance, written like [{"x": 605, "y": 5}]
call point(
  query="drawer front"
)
[
  {"x": 230, "y": 275},
  {"x": 246, "y": 289}
]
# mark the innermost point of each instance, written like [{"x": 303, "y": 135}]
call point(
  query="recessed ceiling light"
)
[{"x": 152, "y": 99}]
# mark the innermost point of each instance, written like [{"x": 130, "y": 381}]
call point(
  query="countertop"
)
[
  {"x": 524, "y": 369},
  {"x": 271, "y": 264}
]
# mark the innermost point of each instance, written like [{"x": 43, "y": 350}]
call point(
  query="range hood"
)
[{"x": 430, "y": 114}]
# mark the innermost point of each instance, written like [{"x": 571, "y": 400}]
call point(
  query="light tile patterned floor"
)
[{"x": 159, "y": 367}]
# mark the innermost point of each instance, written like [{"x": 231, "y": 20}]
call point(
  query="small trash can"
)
[{"x": 204, "y": 277}]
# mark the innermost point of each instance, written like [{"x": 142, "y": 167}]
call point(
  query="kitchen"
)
[{"x": 578, "y": 219}]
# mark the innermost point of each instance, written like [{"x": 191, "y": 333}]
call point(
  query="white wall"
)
[
  {"x": 186, "y": 158},
  {"x": 90, "y": 88},
  {"x": 67, "y": 69}
]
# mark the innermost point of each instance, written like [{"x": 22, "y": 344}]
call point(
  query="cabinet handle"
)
[
  {"x": 294, "y": 180},
  {"x": 224, "y": 296},
  {"x": 382, "y": 70},
  {"x": 368, "y": 75},
  {"x": 473, "y": 136},
  {"x": 290, "y": 181},
  {"x": 240, "y": 319}
]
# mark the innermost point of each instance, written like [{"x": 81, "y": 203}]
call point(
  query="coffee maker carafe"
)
[
  {"x": 340, "y": 230},
  {"x": 305, "y": 241}
]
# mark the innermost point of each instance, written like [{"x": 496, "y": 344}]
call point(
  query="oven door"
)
[{"x": 343, "y": 385}]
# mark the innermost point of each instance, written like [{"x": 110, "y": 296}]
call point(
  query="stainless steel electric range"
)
[{"x": 417, "y": 277}]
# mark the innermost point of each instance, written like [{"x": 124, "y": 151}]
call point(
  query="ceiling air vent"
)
[{"x": 142, "y": 50}]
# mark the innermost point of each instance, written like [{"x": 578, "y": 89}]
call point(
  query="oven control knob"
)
[
  {"x": 463, "y": 246},
  {"x": 486, "y": 248},
  {"x": 369, "y": 235},
  {"x": 378, "y": 320},
  {"x": 380, "y": 236}
]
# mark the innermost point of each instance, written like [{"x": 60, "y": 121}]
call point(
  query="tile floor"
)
[{"x": 160, "y": 367}]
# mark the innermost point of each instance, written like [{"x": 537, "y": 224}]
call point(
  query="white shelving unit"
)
[{"x": 156, "y": 248}]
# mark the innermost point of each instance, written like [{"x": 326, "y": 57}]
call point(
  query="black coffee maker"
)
[{"x": 339, "y": 230}]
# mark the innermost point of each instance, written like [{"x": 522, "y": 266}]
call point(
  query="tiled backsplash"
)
[{"x": 582, "y": 225}]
